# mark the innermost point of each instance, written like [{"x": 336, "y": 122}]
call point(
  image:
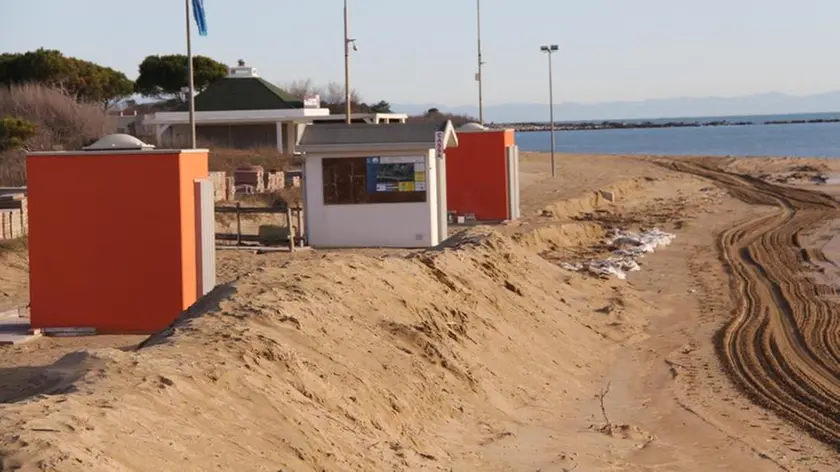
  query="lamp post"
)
[
  {"x": 478, "y": 76},
  {"x": 348, "y": 41},
  {"x": 550, "y": 49}
]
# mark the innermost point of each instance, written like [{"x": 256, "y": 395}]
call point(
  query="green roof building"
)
[{"x": 243, "y": 111}]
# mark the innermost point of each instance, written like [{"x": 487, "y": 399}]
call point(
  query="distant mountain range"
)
[{"x": 759, "y": 104}]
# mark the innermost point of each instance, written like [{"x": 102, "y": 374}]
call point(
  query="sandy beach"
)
[{"x": 499, "y": 351}]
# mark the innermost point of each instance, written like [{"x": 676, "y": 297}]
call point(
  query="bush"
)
[
  {"x": 60, "y": 123},
  {"x": 60, "y": 120},
  {"x": 14, "y": 132}
]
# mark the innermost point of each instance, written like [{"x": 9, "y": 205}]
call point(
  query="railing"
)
[{"x": 295, "y": 235}]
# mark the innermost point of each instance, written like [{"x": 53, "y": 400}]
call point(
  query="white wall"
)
[{"x": 408, "y": 225}]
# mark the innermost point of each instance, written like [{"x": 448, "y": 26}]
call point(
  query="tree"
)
[
  {"x": 381, "y": 107},
  {"x": 14, "y": 132},
  {"x": 166, "y": 77},
  {"x": 333, "y": 97},
  {"x": 83, "y": 80},
  {"x": 437, "y": 116}
]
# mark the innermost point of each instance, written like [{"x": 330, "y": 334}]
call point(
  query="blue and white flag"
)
[{"x": 200, "y": 19}]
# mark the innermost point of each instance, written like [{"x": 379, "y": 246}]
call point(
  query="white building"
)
[
  {"x": 369, "y": 185},
  {"x": 243, "y": 110}
]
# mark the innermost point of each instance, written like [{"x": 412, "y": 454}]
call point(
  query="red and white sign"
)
[{"x": 439, "y": 136}]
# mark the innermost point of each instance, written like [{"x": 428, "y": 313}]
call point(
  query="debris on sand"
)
[{"x": 627, "y": 248}]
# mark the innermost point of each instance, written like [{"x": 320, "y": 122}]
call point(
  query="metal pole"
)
[
  {"x": 479, "y": 77},
  {"x": 551, "y": 113},
  {"x": 346, "y": 65},
  {"x": 191, "y": 78}
]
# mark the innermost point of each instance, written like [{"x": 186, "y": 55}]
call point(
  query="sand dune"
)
[{"x": 353, "y": 362}]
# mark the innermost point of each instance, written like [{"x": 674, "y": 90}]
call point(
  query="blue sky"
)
[{"x": 424, "y": 51}]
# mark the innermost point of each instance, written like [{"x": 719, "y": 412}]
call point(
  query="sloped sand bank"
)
[
  {"x": 346, "y": 362},
  {"x": 480, "y": 355}
]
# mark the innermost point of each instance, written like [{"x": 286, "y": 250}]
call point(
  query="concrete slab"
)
[
  {"x": 21, "y": 312},
  {"x": 16, "y": 330}
]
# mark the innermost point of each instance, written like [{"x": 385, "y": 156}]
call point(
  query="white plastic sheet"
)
[{"x": 628, "y": 247}]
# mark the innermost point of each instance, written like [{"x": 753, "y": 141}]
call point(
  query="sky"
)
[{"x": 416, "y": 52}]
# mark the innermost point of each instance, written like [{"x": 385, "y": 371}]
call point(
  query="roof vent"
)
[
  {"x": 472, "y": 127},
  {"x": 118, "y": 142}
]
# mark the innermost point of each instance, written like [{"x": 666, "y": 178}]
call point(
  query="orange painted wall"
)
[
  {"x": 477, "y": 176},
  {"x": 192, "y": 166},
  {"x": 112, "y": 239}
]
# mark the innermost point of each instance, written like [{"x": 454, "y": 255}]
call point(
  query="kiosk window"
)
[{"x": 360, "y": 180}]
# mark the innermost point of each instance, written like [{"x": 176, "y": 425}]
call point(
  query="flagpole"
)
[{"x": 191, "y": 80}]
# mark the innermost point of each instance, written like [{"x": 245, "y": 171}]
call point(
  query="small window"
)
[{"x": 359, "y": 180}]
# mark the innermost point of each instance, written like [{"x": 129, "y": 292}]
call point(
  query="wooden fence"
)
[{"x": 293, "y": 234}]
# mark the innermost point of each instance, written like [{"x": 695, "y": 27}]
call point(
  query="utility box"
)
[
  {"x": 120, "y": 236},
  {"x": 483, "y": 175}
]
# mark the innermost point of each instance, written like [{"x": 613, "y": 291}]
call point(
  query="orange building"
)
[
  {"x": 482, "y": 174},
  {"x": 118, "y": 236}
]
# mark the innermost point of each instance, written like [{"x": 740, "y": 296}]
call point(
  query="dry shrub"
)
[
  {"x": 228, "y": 160},
  {"x": 287, "y": 196},
  {"x": 17, "y": 245},
  {"x": 60, "y": 119},
  {"x": 61, "y": 122},
  {"x": 13, "y": 168}
]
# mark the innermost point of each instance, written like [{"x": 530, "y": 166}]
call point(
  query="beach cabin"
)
[
  {"x": 483, "y": 175},
  {"x": 376, "y": 185},
  {"x": 121, "y": 236}
]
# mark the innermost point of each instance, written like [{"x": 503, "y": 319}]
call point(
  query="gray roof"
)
[{"x": 362, "y": 135}]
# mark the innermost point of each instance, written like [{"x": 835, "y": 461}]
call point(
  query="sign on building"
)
[
  {"x": 312, "y": 102},
  {"x": 439, "y": 137}
]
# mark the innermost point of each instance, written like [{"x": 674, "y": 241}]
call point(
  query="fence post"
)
[
  {"x": 238, "y": 225},
  {"x": 300, "y": 228},
  {"x": 291, "y": 228}
]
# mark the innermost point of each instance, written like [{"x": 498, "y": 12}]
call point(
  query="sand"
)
[{"x": 721, "y": 353}]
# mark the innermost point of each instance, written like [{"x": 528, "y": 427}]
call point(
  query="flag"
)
[{"x": 200, "y": 19}]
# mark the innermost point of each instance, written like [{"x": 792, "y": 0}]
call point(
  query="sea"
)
[{"x": 788, "y": 140}]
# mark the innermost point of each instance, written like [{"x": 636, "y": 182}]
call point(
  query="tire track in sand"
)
[{"x": 782, "y": 346}]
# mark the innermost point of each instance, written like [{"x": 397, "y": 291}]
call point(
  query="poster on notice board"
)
[{"x": 396, "y": 174}]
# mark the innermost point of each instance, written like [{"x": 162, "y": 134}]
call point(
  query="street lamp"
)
[
  {"x": 549, "y": 50},
  {"x": 348, "y": 42}
]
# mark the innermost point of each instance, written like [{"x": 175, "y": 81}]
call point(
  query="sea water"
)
[{"x": 792, "y": 140}]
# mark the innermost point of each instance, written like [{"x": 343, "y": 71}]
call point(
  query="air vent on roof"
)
[
  {"x": 118, "y": 142},
  {"x": 472, "y": 126}
]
